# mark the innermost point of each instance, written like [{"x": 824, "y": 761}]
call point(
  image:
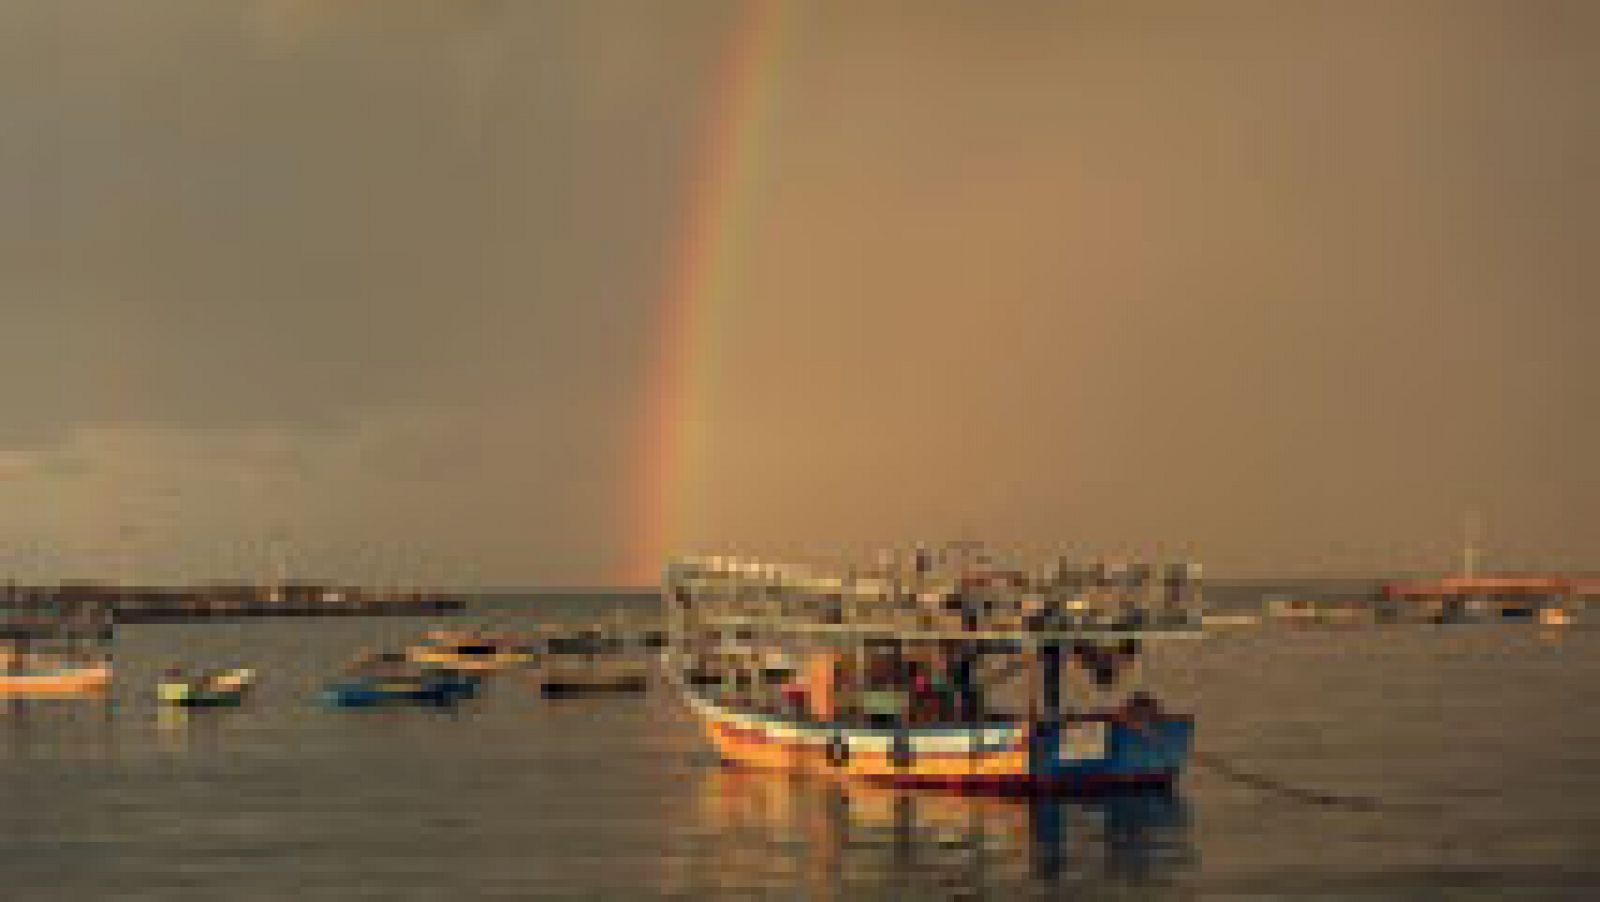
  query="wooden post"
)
[
  {"x": 819, "y": 684},
  {"x": 961, "y": 676},
  {"x": 1050, "y": 677}
]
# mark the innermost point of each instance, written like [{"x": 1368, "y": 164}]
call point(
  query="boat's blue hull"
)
[
  {"x": 366, "y": 693},
  {"x": 216, "y": 700},
  {"x": 1154, "y": 751}
]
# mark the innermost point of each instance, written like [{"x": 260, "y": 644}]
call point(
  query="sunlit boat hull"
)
[
  {"x": 1089, "y": 755},
  {"x": 63, "y": 682},
  {"x": 226, "y": 693},
  {"x": 499, "y": 661}
]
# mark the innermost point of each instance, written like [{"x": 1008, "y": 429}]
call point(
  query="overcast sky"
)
[{"x": 1300, "y": 283}]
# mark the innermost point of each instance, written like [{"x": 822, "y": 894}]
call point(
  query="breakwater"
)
[{"x": 149, "y": 604}]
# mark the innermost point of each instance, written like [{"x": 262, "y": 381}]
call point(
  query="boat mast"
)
[{"x": 1471, "y": 552}]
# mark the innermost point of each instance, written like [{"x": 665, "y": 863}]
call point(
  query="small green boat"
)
[{"x": 222, "y": 689}]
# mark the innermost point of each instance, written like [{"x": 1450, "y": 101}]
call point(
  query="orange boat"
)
[{"x": 50, "y": 678}]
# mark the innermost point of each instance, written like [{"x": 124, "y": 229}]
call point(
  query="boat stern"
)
[{"x": 1112, "y": 751}]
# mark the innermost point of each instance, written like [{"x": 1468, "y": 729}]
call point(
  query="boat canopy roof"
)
[{"x": 747, "y": 598}]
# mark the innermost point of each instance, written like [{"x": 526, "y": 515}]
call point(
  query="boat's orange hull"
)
[
  {"x": 1080, "y": 756},
  {"x": 753, "y": 748},
  {"x": 83, "y": 681},
  {"x": 466, "y": 664}
]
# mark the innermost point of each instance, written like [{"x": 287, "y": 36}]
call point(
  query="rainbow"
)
[{"x": 702, "y": 275}]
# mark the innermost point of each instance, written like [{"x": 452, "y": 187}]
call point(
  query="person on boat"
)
[
  {"x": 924, "y": 700},
  {"x": 967, "y": 607},
  {"x": 173, "y": 687},
  {"x": 1140, "y": 710},
  {"x": 1106, "y": 665},
  {"x": 732, "y": 684},
  {"x": 11, "y": 659},
  {"x": 966, "y": 693},
  {"x": 793, "y": 694},
  {"x": 1034, "y": 612},
  {"x": 942, "y": 695},
  {"x": 833, "y": 609}
]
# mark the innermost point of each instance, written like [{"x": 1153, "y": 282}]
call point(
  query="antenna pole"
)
[{"x": 1470, "y": 551}]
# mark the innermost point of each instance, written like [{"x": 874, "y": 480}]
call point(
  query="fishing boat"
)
[
  {"x": 221, "y": 689},
  {"x": 470, "y": 652},
  {"x": 949, "y": 671},
  {"x": 52, "y": 644}
]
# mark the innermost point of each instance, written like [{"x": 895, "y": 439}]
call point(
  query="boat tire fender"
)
[
  {"x": 838, "y": 751},
  {"x": 900, "y": 754}
]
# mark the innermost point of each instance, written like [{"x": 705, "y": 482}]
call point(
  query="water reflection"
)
[
  {"x": 44, "y": 728},
  {"x": 182, "y": 730},
  {"x": 763, "y": 831}
]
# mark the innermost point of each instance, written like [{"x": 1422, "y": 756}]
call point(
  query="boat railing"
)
[{"x": 732, "y": 624}]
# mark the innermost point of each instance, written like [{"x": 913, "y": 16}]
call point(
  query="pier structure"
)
[
  {"x": 143, "y": 604},
  {"x": 41, "y": 620},
  {"x": 1482, "y": 597}
]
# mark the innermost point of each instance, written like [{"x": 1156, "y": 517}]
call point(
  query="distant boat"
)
[
  {"x": 1230, "y": 619},
  {"x": 49, "y": 677},
  {"x": 52, "y": 647},
  {"x": 599, "y": 678},
  {"x": 224, "y": 689},
  {"x": 1303, "y": 611},
  {"x": 469, "y": 652},
  {"x": 1554, "y": 617},
  {"x": 428, "y": 686},
  {"x": 1473, "y": 595},
  {"x": 1529, "y": 597}
]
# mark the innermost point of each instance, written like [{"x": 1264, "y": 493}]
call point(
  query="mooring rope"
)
[{"x": 1221, "y": 767}]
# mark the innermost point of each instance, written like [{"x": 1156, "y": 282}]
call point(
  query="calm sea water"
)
[{"x": 1466, "y": 762}]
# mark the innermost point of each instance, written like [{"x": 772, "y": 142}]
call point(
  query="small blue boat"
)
[{"x": 427, "y": 687}]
